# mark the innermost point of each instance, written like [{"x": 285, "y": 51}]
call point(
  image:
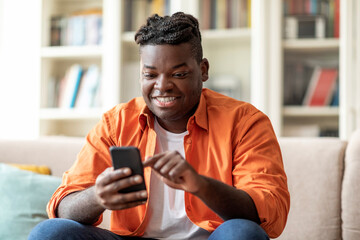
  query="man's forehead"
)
[
  {"x": 173, "y": 56},
  {"x": 165, "y": 49}
]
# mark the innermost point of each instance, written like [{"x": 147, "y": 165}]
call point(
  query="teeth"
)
[{"x": 165, "y": 99}]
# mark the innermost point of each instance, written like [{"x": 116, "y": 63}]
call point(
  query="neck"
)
[{"x": 173, "y": 126}]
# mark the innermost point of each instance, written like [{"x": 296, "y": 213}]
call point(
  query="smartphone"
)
[{"x": 128, "y": 157}]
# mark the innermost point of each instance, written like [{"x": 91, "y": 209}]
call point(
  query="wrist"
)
[{"x": 202, "y": 184}]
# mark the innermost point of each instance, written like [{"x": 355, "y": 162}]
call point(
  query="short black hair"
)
[{"x": 174, "y": 30}]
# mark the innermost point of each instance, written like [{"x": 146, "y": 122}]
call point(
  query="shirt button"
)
[
  {"x": 188, "y": 141},
  {"x": 188, "y": 209}
]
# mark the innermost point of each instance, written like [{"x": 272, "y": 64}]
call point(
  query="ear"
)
[{"x": 204, "y": 66}]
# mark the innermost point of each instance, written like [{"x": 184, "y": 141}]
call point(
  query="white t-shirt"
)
[{"x": 166, "y": 211}]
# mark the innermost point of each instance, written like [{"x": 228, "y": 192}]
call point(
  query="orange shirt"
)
[{"x": 228, "y": 140}]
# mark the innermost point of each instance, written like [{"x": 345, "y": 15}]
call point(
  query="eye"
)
[
  {"x": 148, "y": 75},
  {"x": 180, "y": 74}
]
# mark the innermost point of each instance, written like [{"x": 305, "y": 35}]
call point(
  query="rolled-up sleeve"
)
[{"x": 259, "y": 171}]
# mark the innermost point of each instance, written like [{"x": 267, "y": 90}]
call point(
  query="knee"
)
[
  {"x": 239, "y": 229},
  {"x": 57, "y": 228}
]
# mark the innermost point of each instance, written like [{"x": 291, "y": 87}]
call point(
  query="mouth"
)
[{"x": 164, "y": 101}]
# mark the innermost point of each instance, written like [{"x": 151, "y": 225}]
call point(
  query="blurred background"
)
[{"x": 65, "y": 62}]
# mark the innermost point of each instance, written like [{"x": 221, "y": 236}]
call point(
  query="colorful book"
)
[
  {"x": 89, "y": 87},
  {"x": 70, "y": 86},
  {"x": 321, "y": 87}
]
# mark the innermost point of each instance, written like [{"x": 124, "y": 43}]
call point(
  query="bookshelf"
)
[
  {"x": 228, "y": 49},
  {"x": 305, "y": 55},
  {"x": 247, "y": 62},
  {"x": 281, "y": 50}
]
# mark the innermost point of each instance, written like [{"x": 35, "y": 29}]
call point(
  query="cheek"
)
[{"x": 146, "y": 87}]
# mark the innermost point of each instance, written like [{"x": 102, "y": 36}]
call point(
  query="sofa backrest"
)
[
  {"x": 314, "y": 167},
  {"x": 351, "y": 190},
  {"x": 58, "y": 153}
]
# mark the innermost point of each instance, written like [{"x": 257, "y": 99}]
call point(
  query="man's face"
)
[{"x": 171, "y": 83}]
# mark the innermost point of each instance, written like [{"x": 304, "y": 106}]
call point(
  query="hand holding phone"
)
[{"x": 128, "y": 157}]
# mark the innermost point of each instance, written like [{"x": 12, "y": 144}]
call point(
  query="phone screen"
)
[{"x": 128, "y": 157}]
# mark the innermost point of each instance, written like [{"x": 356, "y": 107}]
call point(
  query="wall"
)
[{"x": 19, "y": 46}]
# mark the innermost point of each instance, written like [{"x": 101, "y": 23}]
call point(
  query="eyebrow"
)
[{"x": 174, "y": 67}]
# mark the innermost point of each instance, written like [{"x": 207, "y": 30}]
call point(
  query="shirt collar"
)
[{"x": 146, "y": 117}]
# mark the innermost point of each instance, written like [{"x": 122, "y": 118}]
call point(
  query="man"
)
[{"x": 213, "y": 166}]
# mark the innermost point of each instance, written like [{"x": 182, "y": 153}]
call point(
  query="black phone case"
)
[{"x": 128, "y": 157}]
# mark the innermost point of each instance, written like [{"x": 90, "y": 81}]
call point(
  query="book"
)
[
  {"x": 89, "y": 87},
  {"x": 55, "y": 31},
  {"x": 205, "y": 14},
  {"x": 297, "y": 75},
  {"x": 337, "y": 19},
  {"x": 128, "y": 12},
  {"x": 78, "y": 28},
  {"x": 69, "y": 86},
  {"x": 213, "y": 7},
  {"x": 221, "y": 14},
  {"x": 335, "y": 98},
  {"x": 248, "y": 13},
  {"x": 321, "y": 87}
]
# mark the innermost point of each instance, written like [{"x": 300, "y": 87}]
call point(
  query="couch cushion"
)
[
  {"x": 351, "y": 189},
  {"x": 23, "y": 199},
  {"x": 33, "y": 168},
  {"x": 314, "y": 167}
]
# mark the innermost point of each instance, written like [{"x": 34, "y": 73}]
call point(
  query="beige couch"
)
[{"x": 322, "y": 176}]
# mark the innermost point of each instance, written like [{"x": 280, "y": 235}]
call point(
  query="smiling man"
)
[{"x": 213, "y": 166}]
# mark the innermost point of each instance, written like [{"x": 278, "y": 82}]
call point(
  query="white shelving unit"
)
[{"x": 55, "y": 60}]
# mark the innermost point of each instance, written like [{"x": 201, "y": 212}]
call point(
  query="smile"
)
[{"x": 165, "y": 101}]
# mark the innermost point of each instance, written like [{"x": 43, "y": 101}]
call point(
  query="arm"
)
[
  {"x": 81, "y": 206},
  {"x": 87, "y": 205},
  {"x": 226, "y": 201}
]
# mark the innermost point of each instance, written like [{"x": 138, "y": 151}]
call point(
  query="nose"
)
[{"x": 163, "y": 83}]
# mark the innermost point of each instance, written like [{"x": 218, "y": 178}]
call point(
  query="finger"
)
[
  {"x": 110, "y": 175},
  {"x": 150, "y": 161},
  {"x": 123, "y": 183},
  {"x": 169, "y": 165},
  {"x": 176, "y": 174},
  {"x": 165, "y": 158},
  {"x": 126, "y": 200}
]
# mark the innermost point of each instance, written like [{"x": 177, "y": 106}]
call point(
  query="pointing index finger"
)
[{"x": 150, "y": 161}]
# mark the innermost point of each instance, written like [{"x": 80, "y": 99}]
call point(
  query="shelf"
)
[
  {"x": 302, "y": 111},
  {"x": 71, "y": 52},
  {"x": 69, "y": 114},
  {"x": 311, "y": 44}
]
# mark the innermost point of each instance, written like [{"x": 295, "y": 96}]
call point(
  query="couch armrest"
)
[{"x": 351, "y": 189}]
